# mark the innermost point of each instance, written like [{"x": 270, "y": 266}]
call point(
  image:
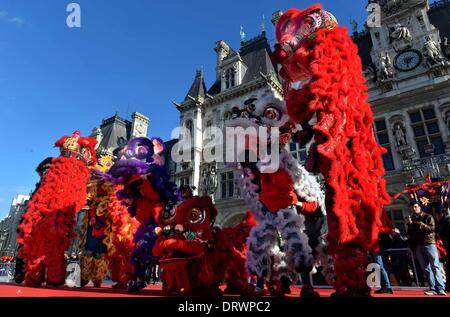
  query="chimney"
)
[{"x": 222, "y": 49}]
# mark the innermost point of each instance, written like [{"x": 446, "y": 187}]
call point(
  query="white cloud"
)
[
  {"x": 17, "y": 20},
  {"x": 6, "y": 17}
]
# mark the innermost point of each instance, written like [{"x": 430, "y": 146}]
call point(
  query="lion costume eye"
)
[
  {"x": 197, "y": 216},
  {"x": 169, "y": 214},
  {"x": 272, "y": 113}
]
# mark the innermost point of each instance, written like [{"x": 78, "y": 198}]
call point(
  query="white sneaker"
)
[
  {"x": 442, "y": 293},
  {"x": 430, "y": 293}
]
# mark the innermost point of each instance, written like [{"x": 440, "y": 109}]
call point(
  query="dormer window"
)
[{"x": 230, "y": 78}]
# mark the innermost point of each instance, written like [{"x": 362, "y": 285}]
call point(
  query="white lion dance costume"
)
[{"x": 278, "y": 244}]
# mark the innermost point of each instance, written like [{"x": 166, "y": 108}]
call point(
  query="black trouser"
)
[
  {"x": 316, "y": 227},
  {"x": 19, "y": 272},
  {"x": 447, "y": 271}
]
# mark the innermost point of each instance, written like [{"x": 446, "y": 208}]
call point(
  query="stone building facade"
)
[{"x": 406, "y": 63}]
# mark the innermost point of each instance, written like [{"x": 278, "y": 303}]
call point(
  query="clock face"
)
[
  {"x": 407, "y": 60},
  {"x": 140, "y": 128}
]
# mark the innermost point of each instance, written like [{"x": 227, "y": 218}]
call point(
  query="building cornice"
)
[
  {"x": 393, "y": 17},
  {"x": 275, "y": 84},
  {"x": 410, "y": 97},
  {"x": 229, "y": 94}
]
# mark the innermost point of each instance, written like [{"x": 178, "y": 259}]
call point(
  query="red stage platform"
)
[{"x": 13, "y": 290}]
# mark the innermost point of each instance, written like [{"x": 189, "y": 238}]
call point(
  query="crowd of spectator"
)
[{"x": 419, "y": 259}]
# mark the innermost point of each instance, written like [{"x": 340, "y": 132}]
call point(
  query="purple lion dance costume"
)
[{"x": 147, "y": 191}]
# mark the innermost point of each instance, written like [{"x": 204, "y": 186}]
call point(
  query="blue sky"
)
[{"x": 127, "y": 56}]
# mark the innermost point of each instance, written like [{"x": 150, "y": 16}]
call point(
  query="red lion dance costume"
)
[
  {"x": 50, "y": 217},
  {"x": 320, "y": 55},
  {"x": 195, "y": 257}
]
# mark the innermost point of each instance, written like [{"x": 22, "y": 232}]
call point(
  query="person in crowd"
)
[
  {"x": 421, "y": 233},
  {"x": 401, "y": 261},
  {"x": 154, "y": 272},
  {"x": 443, "y": 230},
  {"x": 384, "y": 243}
]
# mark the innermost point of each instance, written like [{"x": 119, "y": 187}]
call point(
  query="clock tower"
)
[
  {"x": 406, "y": 44},
  {"x": 139, "y": 125},
  {"x": 405, "y": 51}
]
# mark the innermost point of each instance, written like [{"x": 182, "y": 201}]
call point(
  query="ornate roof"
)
[
  {"x": 255, "y": 54},
  {"x": 198, "y": 87},
  {"x": 115, "y": 130}
]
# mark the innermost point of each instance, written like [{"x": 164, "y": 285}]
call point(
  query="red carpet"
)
[{"x": 13, "y": 290}]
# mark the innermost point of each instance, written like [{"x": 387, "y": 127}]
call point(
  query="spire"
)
[
  {"x": 198, "y": 87},
  {"x": 263, "y": 24},
  {"x": 242, "y": 34}
]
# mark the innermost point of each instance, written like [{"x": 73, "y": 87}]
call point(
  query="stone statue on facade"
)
[
  {"x": 400, "y": 136},
  {"x": 385, "y": 69},
  {"x": 400, "y": 32},
  {"x": 209, "y": 179},
  {"x": 432, "y": 53}
]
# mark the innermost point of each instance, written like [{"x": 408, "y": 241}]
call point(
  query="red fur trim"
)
[
  {"x": 386, "y": 223},
  {"x": 175, "y": 276},
  {"x": 48, "y": 222},
  {"x": 350, "y": 157},
  {"x": 237, "y": 235}
]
